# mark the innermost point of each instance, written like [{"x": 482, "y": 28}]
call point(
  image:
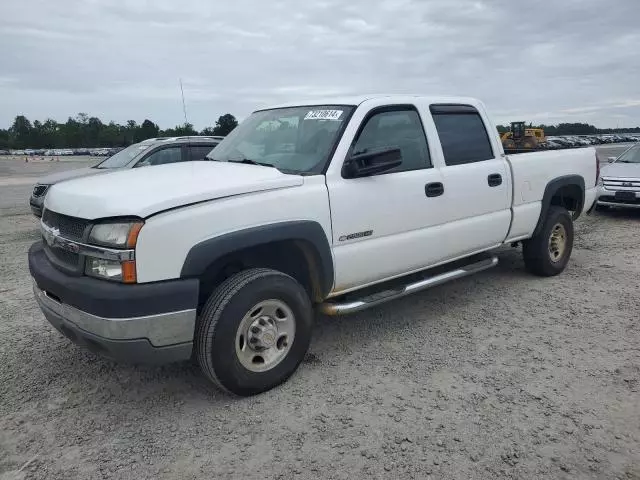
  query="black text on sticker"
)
[{"x": 323, "y": 115}]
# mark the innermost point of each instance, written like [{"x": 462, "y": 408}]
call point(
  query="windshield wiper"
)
[
  {"x": 242, "y": 159},
  {"x": 251, "y": 162}
]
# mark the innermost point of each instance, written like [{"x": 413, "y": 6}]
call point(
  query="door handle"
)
[
  {"x": 434, "y": 189},
  {"x": 494, "y": 179}
]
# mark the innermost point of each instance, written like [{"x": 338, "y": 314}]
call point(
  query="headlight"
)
[
  {"x": 116, "y": 234},
  {"x": 119, "y": 240}
]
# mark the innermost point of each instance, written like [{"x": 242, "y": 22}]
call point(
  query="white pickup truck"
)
[{"x": 335, "y": 205}]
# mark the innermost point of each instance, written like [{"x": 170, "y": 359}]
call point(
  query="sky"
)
[{"x": 546, "y": 61}]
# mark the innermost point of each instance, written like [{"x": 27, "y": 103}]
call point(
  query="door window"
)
[
  {"x": 462, "y": 134},
  {"x": 199, "y": 152},
  {"x": 161, "y": 157},
  {"x": 400, "y": 129}
]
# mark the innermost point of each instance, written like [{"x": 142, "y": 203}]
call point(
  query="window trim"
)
[
  {"x": 399, "y": 107},
  {"x": 460, "y": 109},
  {"x": 162, "y": 147}
]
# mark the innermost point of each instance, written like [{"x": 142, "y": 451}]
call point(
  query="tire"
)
[
  {"x": 226, "y": 353},
  {"x": 509, "y": 144},
  {"x": 541, "y": 253}
]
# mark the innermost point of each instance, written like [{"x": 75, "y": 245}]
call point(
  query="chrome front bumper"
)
[{"x": 160, "y": 338}]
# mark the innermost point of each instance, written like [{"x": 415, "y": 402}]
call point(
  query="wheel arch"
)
[
  {"x": 567, "y": 191},
  {"x": 298, "y": 248}
]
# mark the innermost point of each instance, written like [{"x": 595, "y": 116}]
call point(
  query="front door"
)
[{"x": 380, "y": 223}]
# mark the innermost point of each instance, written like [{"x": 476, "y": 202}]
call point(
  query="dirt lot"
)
[{"x": 501, "y": 375}]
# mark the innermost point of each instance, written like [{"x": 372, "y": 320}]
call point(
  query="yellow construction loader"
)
[{"x": 522, "y": 138}]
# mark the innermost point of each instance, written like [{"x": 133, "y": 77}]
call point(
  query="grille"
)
[
  {"x": 621, "y": 184},
  {"x": 70, "y": 227},
  {"x": 40, "y": 190},
  {"x": 65, "y": 257}
]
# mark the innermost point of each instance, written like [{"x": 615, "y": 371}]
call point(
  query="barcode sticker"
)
[{"x": 323, "y": 115}]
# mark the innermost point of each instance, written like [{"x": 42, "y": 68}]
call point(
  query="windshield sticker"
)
[{"x": 323, "y": 115}]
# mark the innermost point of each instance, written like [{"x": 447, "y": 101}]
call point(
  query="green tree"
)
[
  {"x": 225, "y": 124},
  {"x": 186, "y": 129},
  {"x": 148, "y": 129},
  {"x": 4, "y": 139},
  {"x": 21, "y": 132}
]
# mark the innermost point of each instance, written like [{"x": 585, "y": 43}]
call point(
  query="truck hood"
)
[
  {"x": 69, "y": 174},
  {"x": 141, "y": 192},
  {"x": 621, "y": 170}
]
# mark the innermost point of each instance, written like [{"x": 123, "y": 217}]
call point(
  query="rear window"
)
[{"x": 462, "y": 134}]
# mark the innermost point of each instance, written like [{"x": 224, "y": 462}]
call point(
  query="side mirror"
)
[
  {"x": 371, "y": 163},
  {"x": 611, "y": 159}
]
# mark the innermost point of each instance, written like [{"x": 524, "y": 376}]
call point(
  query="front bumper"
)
[
  {"x": 607, "y": 197},
  {"x": 145, "y": 323}
]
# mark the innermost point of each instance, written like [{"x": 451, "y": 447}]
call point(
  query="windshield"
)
[
  {"x": 294, "y": 140},
  {"x": 123, "y": 157},
  {"x": 630, "y": 156}
]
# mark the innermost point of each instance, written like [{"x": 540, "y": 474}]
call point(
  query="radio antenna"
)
[{"x": 184, "y": 107}]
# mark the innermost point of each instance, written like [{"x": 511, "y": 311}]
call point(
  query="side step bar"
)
[{"x": 338, "y": 308}]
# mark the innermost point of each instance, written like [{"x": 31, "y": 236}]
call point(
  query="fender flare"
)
[
  {"x": 205, "y": 253},
  {"x": 552, "y": 187}
]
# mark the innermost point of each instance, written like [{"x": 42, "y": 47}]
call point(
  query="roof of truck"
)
[{"x": 357, "y": 100}]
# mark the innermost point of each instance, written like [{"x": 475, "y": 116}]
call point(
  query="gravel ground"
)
[{"x": 500, "y": 375}]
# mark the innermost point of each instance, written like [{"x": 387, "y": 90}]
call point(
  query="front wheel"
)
[
  {"x": 547, "y": 253},
  {"x": 254, "y": 331}
]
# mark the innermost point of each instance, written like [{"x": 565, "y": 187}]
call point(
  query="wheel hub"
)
[
  {"x": 262, "y": 334},
  {"x": 265, "y": 335},
  {"x": 557, "y": 242}
]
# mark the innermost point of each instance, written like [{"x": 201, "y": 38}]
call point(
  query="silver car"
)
[
  {"x": 154, "y": 151},
  {"x": 619, "y": 182}
]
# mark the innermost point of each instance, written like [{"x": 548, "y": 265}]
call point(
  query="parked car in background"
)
[
  {"x": 619, "y": 182},
  {"x": 554, "y": 144},
  {"x": 154, "y": 151},
  {"x": 4, "y": 152}
]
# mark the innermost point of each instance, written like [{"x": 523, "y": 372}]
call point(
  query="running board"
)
[{"x": 338, "y": 308}]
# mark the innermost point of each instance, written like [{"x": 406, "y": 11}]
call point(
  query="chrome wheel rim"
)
[
  {"x": 557, "y": 242},
  {"x": 265, "y": 335}
]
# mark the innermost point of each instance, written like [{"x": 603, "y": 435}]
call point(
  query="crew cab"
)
[
  {"x": 619, "y": 182},
  {"x": 332, "y": 206}
]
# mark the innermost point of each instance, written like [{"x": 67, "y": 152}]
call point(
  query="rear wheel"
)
[
  {"x": 547, "y": 253},
  {"x": 254, "y": 331}
]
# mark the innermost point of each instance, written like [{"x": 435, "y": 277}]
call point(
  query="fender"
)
[
  {"x": 550, "y": 190},
  {"x": 208, "y": 251}
]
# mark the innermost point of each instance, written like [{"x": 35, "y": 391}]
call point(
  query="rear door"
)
[{"x": 475, "y": 176}]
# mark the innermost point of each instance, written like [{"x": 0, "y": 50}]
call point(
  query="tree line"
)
[
  {"x": 83, "y": 131},
  {"x": 573, "y": 129}
]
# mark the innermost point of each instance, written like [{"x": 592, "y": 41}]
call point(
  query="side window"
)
[
  {"x": 199, "y": 152},
  {"x": 161, "y": 157},
  {"x": 462, "y": 134},
  {"x": 396, "y": 128}
]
